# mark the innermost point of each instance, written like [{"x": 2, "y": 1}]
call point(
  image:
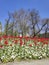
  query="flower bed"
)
[{"x": 12, "y": 48}]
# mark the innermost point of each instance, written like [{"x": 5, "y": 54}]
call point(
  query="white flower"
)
[
  {"x": 13, "y": 56},
  {"x": 44, "y": 54},
  {"x": 20, "y": 35},
  {"x": 40, "y": 57},
  {"x": 2, "y": 41},
  {"x": 38, "y": 42},
  {"x": 28, "y": 51},
  {"x": 48, "y": 48},
  {"x": 35, "y": 54},
  {"x": 2, "y": 57},
  {"x": 30, "y": 56},
  {"x": 40, "y": 47}
]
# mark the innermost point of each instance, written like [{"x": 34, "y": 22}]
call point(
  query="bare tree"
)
[
  {"x": 6, "y": 25},
  {"x": 24, "y": 22},
  {"x": 34, "y": 19}
]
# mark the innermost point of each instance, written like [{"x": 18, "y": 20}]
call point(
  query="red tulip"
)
[
  {"x": 30, "y": 45},
  {"x": 6, "y": 42},
  {"x": 5, "y": 36},
  {"x": 0, "y": 38},
  {"x": 35, "y": 43},
  {"x": 21, "y": 43},
  {"x": 15, "y": 41},
  {"x": 1, "y": 46},
  {"x": 46, "y": 42}
]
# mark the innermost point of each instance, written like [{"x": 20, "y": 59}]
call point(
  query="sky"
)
[{"x": 11, "y": 5}]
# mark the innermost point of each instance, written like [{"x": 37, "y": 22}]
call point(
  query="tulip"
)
[
  {"x": 21, "y": 43},
  {"x": 0, "y": 38},
  {"x": 6, "y": 42},
  {"x": 30, "y": 45},
  {"x": 15, "y": 41},
  {"x": 1, "y": 46}
]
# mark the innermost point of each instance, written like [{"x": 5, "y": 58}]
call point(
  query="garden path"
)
[{"x": 32, "y": 62}]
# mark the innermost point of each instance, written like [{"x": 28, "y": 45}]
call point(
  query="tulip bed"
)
[{"x": 12, "y": 48}]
